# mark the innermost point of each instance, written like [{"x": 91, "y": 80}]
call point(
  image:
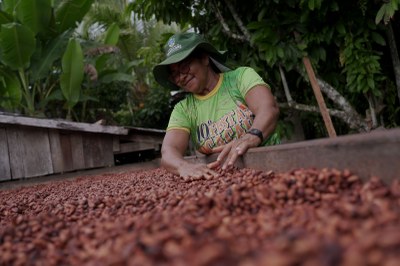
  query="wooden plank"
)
[
  {"x": 56, "y": 151},
  {"x": 78, "y": 158},
  {"x": 98, "y": 150},
  {"x": 66, "y": 152},
  {"x": 29, "y": 150},
  {"x": 116, "y": 144},
  {"x": 144, "y": 134},
  {"x": 320, "y": 99},
  {"x": 37, "y": 154},
  {"x": 16, "y": 152},
  {"x": 61, "y": 124},
  {"x": 136, "y": 146},
  {"x": 143, "y": 138},
  {"x": 5, "y": 170}
]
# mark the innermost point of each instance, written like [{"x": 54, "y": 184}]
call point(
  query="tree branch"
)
[
  {"x": 225, "y": 26},
  {"x": 342, "y": 115},
  {"x": 239, "y": 22},
  {"x": 343, "y": 104},
  {"x": 285, "y": 85}
]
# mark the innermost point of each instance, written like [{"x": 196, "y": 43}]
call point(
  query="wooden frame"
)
[{"x": 32, "y": 147}]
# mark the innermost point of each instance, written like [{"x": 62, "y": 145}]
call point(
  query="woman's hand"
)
[
  {"x": 231, "y": 151},
  {"x": 190, "y": 171}
]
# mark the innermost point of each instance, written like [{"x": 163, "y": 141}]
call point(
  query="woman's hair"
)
[{"x": 199, "y": 53}]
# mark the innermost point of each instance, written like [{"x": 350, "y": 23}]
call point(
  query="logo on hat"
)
[
  {"x": 173, "y": 47},
  {"x": 171, "y": 42}
]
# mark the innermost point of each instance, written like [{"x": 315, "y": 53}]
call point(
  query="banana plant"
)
[
  {"x": 72, "y": 75},
  {"x": 35, "y": 37}
]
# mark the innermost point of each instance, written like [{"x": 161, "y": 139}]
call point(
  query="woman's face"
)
[{"x": 190, "y": 74}]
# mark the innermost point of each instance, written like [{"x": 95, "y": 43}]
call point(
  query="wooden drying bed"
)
[
  {"x": 31, "y": 147},
  {"x": 370, "y": 154}
]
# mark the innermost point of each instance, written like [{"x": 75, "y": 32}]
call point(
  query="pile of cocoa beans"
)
[{"x": 243, "y": 217}]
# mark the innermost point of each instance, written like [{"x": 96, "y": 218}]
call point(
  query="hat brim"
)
[{"x": 161, "y": 71}]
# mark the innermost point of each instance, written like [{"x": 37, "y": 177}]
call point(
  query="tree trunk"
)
[{"x": 395, "y": 56}]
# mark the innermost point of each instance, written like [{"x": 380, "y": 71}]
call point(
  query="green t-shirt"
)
[{"x": 221, "y": 115}]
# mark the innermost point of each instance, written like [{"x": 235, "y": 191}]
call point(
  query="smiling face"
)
[{"x": 193, "y": 74}]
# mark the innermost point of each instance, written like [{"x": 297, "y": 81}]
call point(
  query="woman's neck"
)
[{"x": 211, "y": 82}]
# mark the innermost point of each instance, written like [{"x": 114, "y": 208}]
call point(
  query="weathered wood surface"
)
[
  {"x": 5, "y": 171},
  {"x": 136, "y": 147},
  {"x": 98, "y": 150},
  {"x": 67, "y": 151},
  {"x": 149, "y": 135},
  {"x": 35, "y": 147},
  {"x": 370, "y": 154},
  {"x": 140, "y": 139},
  {"x": 29, "y": 150},
  {"x": 61, "y": 124}
]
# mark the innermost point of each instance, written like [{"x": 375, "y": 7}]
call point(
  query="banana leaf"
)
[
  {"x": 17, "y": 44},
  {"x": 5, "y": 18},
  {"x": 10, "y": 90},
  {"x": 72, "y": 75},
  {"x": 34, "y": 14},
  {"x": 42, "y": 65},
  {"x": 112, "y": 35},
  {"x": 70, "y": 12}
]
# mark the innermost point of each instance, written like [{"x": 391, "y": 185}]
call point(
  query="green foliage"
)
[
  {"x": 361, "y": 64},
  {"x": 17, "y": 44},
  {"x": 112, "y": 35},
  {"x": 125, "y": 89},
  {"x": 10, "y": 93},
  {"x": 45, "y": 56},
  {"x": 72, "y": 75},
  {"x": 387, "y": 10},
  {"x": 283, "y": 130},
  {"x": 70, "y": 12},
  {"x": 34, "y": 14},
  {"x": 33, "y": 38},
  {"x": 154, "y": 111}
]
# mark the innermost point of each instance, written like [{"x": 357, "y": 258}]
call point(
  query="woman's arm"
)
[
  {"x": 173, "y": 149},
  {"x": 263, "y": 105}
]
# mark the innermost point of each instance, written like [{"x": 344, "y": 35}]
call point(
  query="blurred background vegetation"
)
[{"x": 86, "y": 60}]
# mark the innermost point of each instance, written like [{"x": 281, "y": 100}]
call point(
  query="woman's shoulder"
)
[
  {"x": 185, "y": 102},
  {"x": 239, "y": 71}
]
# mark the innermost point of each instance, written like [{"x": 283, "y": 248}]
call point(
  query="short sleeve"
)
[
  {"x": 248, "y": 78},
  {"x": 179, "y": 118}
]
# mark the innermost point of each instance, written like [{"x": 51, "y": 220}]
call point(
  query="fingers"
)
[
  {"x": 228, "y": 155},
  {"x": 218, "y": 149},
  {"x": 197, "y": 172},
  {"x": 231, "y": 159},
  {"x": 214, "y": 165},
  {"x": 231, "y": 152}
]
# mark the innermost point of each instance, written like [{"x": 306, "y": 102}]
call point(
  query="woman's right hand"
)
[{"x": 192, "y": 171}]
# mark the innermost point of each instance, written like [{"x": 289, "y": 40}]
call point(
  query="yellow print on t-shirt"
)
[{"x": 231, "y": 126}]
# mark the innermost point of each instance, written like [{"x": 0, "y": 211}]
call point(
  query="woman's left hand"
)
[{"x": 231, "y": 151}]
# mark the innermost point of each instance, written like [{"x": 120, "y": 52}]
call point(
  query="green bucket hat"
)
[{"x": 178, "y": 47}]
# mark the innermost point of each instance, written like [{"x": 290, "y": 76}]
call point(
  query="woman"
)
[{"x": 226, "y": 111}]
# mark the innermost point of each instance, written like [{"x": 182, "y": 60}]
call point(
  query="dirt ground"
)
[{"x": 5, "y": 185}]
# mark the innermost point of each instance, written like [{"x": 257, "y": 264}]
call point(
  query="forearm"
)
[
  {"x": 266, "y": 121},
  {"x": 263, "y": 105},
  {"x": 172, "y": 161}
]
